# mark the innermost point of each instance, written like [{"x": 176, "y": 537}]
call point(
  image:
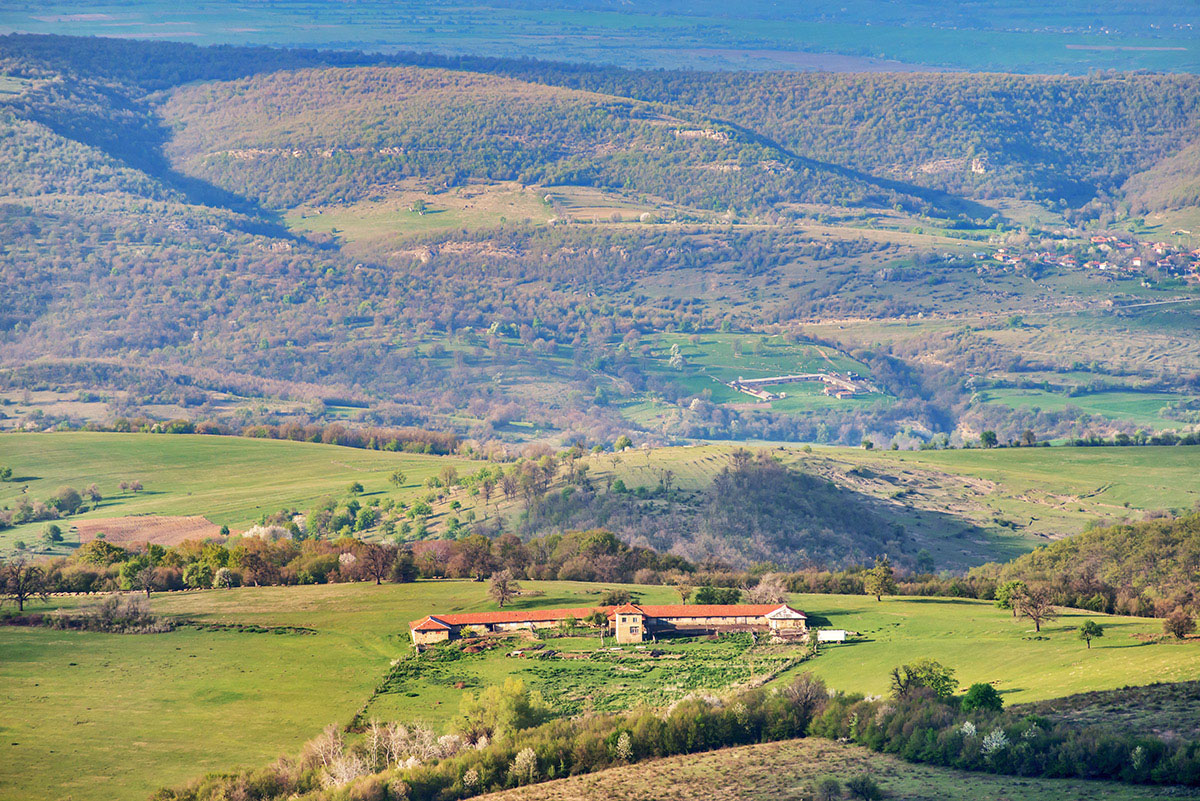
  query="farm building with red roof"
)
[{"x": 631, "y": 623}]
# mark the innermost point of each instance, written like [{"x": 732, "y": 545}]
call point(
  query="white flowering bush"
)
[
  {"x": 967, "y": 729},
  {"x": 995, "y": 741},
  {"x": 525, "y": 766},
  {"x": 625, "y": 747},
  {"x": 471, "y": 780}
]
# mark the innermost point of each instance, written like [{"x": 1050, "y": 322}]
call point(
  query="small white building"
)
[{"x": 831, "y": 635}]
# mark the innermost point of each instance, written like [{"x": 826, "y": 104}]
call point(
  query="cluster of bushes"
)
[
  {"x": 64, "y": 501},
  {"x": 503, "y": 741},
  {"x": 393, "y": 762},
  {"x": 114, "y": 614},
  {"x": 922, "y": 727},
  {"x": 1121, "y": 439}
]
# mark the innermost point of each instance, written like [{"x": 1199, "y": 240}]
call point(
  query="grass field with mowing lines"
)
[{"x": 193, "y": 700}]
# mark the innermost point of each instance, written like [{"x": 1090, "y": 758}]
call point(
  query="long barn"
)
[{"x": 632, "y": 623}]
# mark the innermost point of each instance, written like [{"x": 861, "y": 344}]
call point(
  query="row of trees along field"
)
[
  {"x": 1144, "y": 569},
  {"x": 503, "y": 740}
]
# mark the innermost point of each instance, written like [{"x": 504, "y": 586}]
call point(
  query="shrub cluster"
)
[{"x": 924, "y": 728}]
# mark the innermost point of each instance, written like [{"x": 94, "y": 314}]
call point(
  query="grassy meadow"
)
[
  {"x": 194, "y": 699},
  {"x": 966, "y": 506},
  {"x": 230, "y": 480},
  {"x": 787, "y": 770}
]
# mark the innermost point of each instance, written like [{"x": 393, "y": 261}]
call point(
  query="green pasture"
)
[
  {"x": 1089, "y": 479},
  {"x": 1141, "y": 408},
  {"x": 760, "y": 356},
  {"x": 100, "y": 716},
  {"x": 230, "y": 480}
]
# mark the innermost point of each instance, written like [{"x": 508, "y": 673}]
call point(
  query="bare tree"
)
[
  {"x": 503, "y": 587},
  {"x": 21, "y": 581},
  {"x": 685, "y": 592},
  {"x": 145, "y": 580},
  {"x": 771, "y": 589},
  {"x": 377, "y": 560},
  {"x": 1035, "y": 604}
]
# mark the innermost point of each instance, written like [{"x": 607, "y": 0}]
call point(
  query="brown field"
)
[{"x": 152, "y": 529}]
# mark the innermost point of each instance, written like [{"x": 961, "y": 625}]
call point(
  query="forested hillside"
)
[
  {"x": 1148, "y": 567},
  {"x": 515, "y": 250}
]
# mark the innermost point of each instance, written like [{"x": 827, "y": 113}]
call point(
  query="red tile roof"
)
[
  {"x": 430, "y": 623},
  {"x": 545, "y": 615},
  {"x": 517, "y": 616}
]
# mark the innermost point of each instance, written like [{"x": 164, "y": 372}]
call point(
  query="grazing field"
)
[
  {"x": 232, "y": 481},
  {"x": 967, "y": 506},
  {"x": 787, "y": 770},
  {"x": 1168, "y": 710},
  {"x": 1142, "y": 408},
  {"x": 205, "y": 699},
  {"x": 376, "y": 223},
  {"x": 153, "y": 529}
]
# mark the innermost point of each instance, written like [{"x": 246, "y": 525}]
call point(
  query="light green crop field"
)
[
  {"x": 76, "y": 706},
  {"x": 787, "y": 771},
  {"x": 231, "y": 480}
]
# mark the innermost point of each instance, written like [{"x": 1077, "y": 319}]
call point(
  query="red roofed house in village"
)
[{"x": 630, "y": 622}]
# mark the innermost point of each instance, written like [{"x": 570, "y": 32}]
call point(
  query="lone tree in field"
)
[
  {"x": 1009, "y": 593},
  {"x": 377, "y": 560},
  {"x": 1179, "y": 623},
  {"x": 503, "y": 587},
  {"x": 924, "y": 673},
  {"x": 398, "y": 478},
  {"x": 685, "y": 592},
  {"x": 1035, "y": 604},
  {"x": 1090, "y": 630},
  {"x": 21, "y": 581},
  {"x": 881, "y": 579}
]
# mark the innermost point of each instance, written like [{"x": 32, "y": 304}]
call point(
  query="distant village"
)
[{"x": 1114, "y": 255}]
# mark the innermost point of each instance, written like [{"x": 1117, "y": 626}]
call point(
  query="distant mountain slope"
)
[
  {"x": 344, "y": 134},
  {"x": 1172, "y": 183},
  {"x": 978, "y": 135}
]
